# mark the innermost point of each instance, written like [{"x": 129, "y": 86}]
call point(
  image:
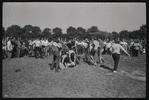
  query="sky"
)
[{"x": 106, "y": 16}]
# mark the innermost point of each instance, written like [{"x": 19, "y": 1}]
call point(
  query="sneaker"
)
[{"x": 114, "y": 71}]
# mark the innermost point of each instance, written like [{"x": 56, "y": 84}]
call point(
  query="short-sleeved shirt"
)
[
  {"x": 116, "y": 48},
  {"x": 9, "y": 46},
  {"x": 37, "y": 43},
  {"x": 96, "y": 43}
]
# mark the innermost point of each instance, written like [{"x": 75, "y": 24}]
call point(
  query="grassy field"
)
[{"x": 32, "y": 78}]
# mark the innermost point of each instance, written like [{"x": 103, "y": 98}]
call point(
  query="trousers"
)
[{"x": 116, "y": 58}]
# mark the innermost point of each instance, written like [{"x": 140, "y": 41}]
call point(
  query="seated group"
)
[{"x": 63, "y": 56}]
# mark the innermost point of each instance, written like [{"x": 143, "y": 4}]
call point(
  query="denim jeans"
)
[{"x": 116, "y": 58}]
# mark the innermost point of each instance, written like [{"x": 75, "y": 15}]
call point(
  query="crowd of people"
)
[{"x": 66, "y": 52}]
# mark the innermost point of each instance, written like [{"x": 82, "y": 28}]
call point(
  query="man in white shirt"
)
[
  {"x": 10, "y": 47},
  {"x": 95, "y": 48},
  {"x": 38, "y": 45},
  {"x": 45, "y": 43}
]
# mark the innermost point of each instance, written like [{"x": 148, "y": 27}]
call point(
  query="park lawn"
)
[{"x": 29, "y": 77}]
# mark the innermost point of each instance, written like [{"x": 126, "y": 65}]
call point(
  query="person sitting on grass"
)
[
  {"x": 64, "y": 61},
  {"x": 72, "y": 55}
]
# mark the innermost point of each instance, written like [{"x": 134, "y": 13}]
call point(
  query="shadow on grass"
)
[
  {"x": 106, "y": 67},
  {"x": 49, "y": 64},
  {"x": 88, "y": 62}
]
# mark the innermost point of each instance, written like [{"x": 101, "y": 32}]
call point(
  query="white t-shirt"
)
[
  {"x": 91, "y": 47},
  {"x": 77, "y": 43},
  {"x": 96, "y": 43},
  {"x": 38, "y": 43},
  {"x": 45, "y": 42},
  {"x": 84, "y": 44},
  {"x": 9, "y": 46},
  {"x": 108, "y": 45},
  {"x": 123, "y": 43},
  {"x": 30, "y": 42}
]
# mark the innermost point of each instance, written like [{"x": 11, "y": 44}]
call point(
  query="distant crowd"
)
[{"x": 66, "y": 52}]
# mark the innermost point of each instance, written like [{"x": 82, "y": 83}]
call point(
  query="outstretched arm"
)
[{"x": 122, "y": 48}]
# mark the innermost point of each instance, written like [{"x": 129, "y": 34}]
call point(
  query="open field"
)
[{"x": 32, "y": 78}]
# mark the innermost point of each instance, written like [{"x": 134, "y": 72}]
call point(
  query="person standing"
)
[
  {"x": 10, "y": 47},
  {"x": 136, "y": 47},
  {"x": 56, "y": 55},
  {"x": 87, "y": 50},
  {"x": 108, "y": 45},
  {"x": 30, "y": 47},
  {"x": 100, "y": 50},
  {"x": 115, "y": 49},
  {"x": 131, "y": 47},
  {"x": 124, "y": 44},
  {"x": 38, "y": 48},
  {"x": 95, "y": 49},
  {"x": 18, "y": 47},
  {"x": 45, "y": 42},
  {"x": 24, "y": 51}
]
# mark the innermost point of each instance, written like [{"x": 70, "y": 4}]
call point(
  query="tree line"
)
[{"x": 29, "y": 31}]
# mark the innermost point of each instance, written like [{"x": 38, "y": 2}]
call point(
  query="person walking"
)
[{"x": 115, "y": 49}]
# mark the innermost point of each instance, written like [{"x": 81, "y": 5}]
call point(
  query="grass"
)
[{"x": 35, "y": 79}]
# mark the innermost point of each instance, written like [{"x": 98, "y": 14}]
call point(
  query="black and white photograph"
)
[{"x": 74, "y": 50}]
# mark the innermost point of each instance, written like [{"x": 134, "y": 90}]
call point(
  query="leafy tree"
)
[
  {"x": 81, "y": 33},
  {"x": 115, "y": 35},
  {"x": 81, "y": 30},
  {"x": 28, "y": 28},
  {"x": 142, "y": 31},
  {"x": 47, "y": 33},
  {"x": 65, "y": 36},
  {"x": 30, "y": 31},
  {"x": 71, "y": 31},
  {"x": 124, "y": 34},
  {"x": 134, "y": 34},
  {"x": 93, "y": 29},
  {"x": 57, "y": 32},
  {"x": 27, "y": 31},
  {"x": 36, "y": 31},
  {"x": 14, "y": 30}
]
